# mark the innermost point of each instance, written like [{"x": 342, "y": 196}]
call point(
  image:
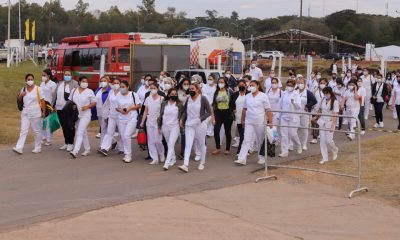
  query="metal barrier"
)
[{"x": 358, "y": 176}]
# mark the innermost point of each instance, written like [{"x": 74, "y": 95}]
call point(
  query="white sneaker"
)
[
  {"x": 323, "y": 161},
  {"x": 165, "y": 167},
  {"x": 162, "y": 158},
  {"x": 47, "y": 144},
  {"x": 70, "y": 147},
  {"x": 291, "y": 148},
  {"x": 366, "y": 118},
  {"x": 362, "y": 132},
  {"x": 314, "y": 141},
  {"x": 63, "y": 147},
  {"x": 37, "y": 150},
  {"x": 305, "y": 148},
  {"x": 201, "y": 167},
  {"x": 86, "y": 153},
  {"x": 381, "y": 125},
  {"x": 335, "y": 153},
  {"x": 73, "y": 154},
  {"x": 299, "y": 150},
  {"x": 127, "y": 159},
  {"x": 351, "y": 138},
  {"x": 154, "y": 162},
  {"x": 172, "y": 163},
  {"x": 98, "y": 135},
  {"x": 184, "y": 168},
  {"x": 261, "y": 161},
  {"x": 283, "y": 155},
  {"x": 197, "y": 158},
  {"x": 376, "y": 125},
  {"x": 240, "y": 162},
  {"x": 134, "y": 135},
  {"x": 16, "y": 150}
]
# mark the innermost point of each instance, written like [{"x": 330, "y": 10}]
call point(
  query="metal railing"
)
[{"x": 357, "y": 176}]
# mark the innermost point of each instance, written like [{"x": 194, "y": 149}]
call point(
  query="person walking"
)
[
  {"x": 379, "y": 94},
  {"x": 48, "y": 88}
]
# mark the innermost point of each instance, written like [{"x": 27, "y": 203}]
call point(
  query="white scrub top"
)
[
  {"x": 82, "y": 99},
  {"x": 112, "y": 97},
  {"x": 209, "y": 92},
  {"x": 256, "y": 73},
  {"x": 287, "y": 105},
  {"x": 193, "y": 112},
  {"x": 267, "y": 83},
  {"x": 60, "y": 102},
  {"x": 32, "y": 103},
  {"x": 325, "y": 106},
  {"x": 239, "y": 107},
  {"x": 363, "y": 94},
  {"x": 368, "y": 82},
  {"x": 170, "y": 118},
  {"x": 256, "y": 106},
  {"x": 126, "y": 101},
  {"x": 99, "y": 102},
  {"x": 48, "y": 90},
  {"x": 153, "y": 110},
  {"x": 274, "y": 98},
  {"x": 142, "y": 92}
]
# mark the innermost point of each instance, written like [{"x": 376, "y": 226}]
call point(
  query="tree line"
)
[{"x": 53, "y": 22}]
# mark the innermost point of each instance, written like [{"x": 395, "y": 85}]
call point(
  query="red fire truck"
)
[{"x": 82, "y": 56}]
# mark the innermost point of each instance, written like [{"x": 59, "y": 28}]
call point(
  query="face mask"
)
[
  {"x": 359, "y": 84},
  {"x": 322, "y": 86},
  {"x": 185, "y": 87},
  {"x": 327, "y": 97},
  {"x": 173, "y": 98},
  {"x": 192, "y": 93},
  {"x": 272, "y": 75},
  {"x": 167, "y": 86},
  {"x": 379, "y": 80},
  {"x": 142, "y": 81},
  {"x": 342, "y": 75},
  {"x": 253, "y": 65},
  {"x": 348, "y": 75},
  {"x": 242, "y": 88},
  {"x": 84, "y": 85},
  {"x": 351, "y": 87},
  {"x": 227, "y": 76},
  {"x": 318, "y": 77},
  {"x": 210, "y": 82},
  {"x": 67, "y": 78},
  {"x": 154, "y": 91},
  {"x": 30, "y": 83},
  {"x": 221, "y": 85},
  {"x": 301, "y": 86},
  {"x": 44, "y": 79},
  {"x": 290, "y": 89},
  {"x": 274, "y": 85},
  {"x": 116, "y": 86},
  {"x": 123, "y": 90},
  {"x": 103, "y": 84},
  {"x": 365, "y": 73},
  {"x": 146, "y": 83},
  {"x": 252, "y": 89}
]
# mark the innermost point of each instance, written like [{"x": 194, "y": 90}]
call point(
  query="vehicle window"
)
[
  {"x": 96, "y": 58},
  {"x": 104, "y": 52},
  {"x": 68, "y": 57},
  {"x": 76, "y": 61},
  {"x": 123, "y": 55},
  {"x": 113, "y": 55},
  {"x": 54, "y": 60},
  {"x": 85, "y": 58}
]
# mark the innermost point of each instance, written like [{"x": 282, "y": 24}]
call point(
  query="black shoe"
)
[
  {"x": 103, "y": 152},
  {"x": 113, "y": 146},
  {"x": 121, "y": 153},
  {"x": 148, "y": 158}
]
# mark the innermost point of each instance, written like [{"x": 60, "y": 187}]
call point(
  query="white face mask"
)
[
  {"x": 274, "y": 85},
  {"x": 142, "y": 81},
  {"x": 359, "y": 84},
  {"x": 322, "y": 86},
  {"x": 301, "y": 86},
  {"x": 351, "y": 87},
  {"x": 84, "y": 85},
  {"x": 253, "y": 65},
  {"x": 290, "y": 89},
  {"x": 116, "y": 86},
  {"x": 167, "y": 86},
  {"x": 365, "y": 73},
  {"x": 30, "y": 83},
  {"x": 379, "y": 80},
  {"x": 185, "y": 87},
  {"x": 210, "y": 82},
  {"x": 146, "y": 83},
  {"x": 44, "y": 79},
  {"x": 154, "y": 91},
  {"x": 228, "y": 76},
  {"x": 103, "y": 84},
  {"x": 252, "y": 89},
  {"x": 348, "y": 74},
  {"x": 123, "y": 90},
  {"x": 221, "y": 85}
]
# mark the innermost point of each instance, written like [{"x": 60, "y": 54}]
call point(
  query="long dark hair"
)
[
  {"x": 258, "y": 84},
  {"x": 333, "y": 97}
]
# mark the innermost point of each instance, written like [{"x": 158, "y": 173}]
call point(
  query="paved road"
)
[{"x": 41, "y": 187}]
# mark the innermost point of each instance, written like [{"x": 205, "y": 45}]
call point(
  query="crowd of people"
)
[{"x": 193, "y": 110}]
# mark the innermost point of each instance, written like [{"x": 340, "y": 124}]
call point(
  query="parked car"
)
[
  {"x": 251, "y": 54},
  {"x": 270, "y": 54},
  {"x": 331, "y": 56}
]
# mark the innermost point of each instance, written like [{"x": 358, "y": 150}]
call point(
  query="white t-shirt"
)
[
  {"x": 193, "y": 112},
  {"x": 267, "y": 83},
  {"x": 112, "y": 97},
  {"x": 82, "y": 99},
  {"x": 396, "y": 92},
  {"x": 142, "y": 92},
  {"x": 126, "y": 101},
  {"x": 208, "y": 92},
  {"x": 274, "y": 98},
  {"x": 368, "y": 82},
  {"x": 170, "y": 118},
  {"x": 153, "y": 110},
  {"x": 378, "y": 92},
  {"x": 239, "y": 107},
  {"x": 325, "y": 106},
  {"x": 99, "y": 102},
  {"x": 362, "y": 93},
  {"x": 256, "y": 73},
  {"x": 31, "y": 103},
  {"x": 48, "y": 90},
  {"x": 256, "y": 106},
  {"x": 60, "y": 102},
  {"x": 351, "y": 103},
  {"x": 339, "y": 93}
]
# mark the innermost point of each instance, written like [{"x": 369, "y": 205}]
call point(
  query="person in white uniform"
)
[
  {"x": 32, "y": 114},
  {"x": 196, "y": 110},
  {"x": 347, "y": 78},
  {"x": 329, "y": 106},
  {"x": 289, "y": 102},
  {"x": 168, "y": 124},
  {"x": 312, "y": 83},
  {"x": 319, "y": 96},
  {"x": 255, "y": 72},
  {"x": 307, "y": 101},
  {"x": 84, "y": 99},
  {"x": 48, "y": 88},
  {"x": 102, "y": 94},
  {"x": 110, "y": 114},
  {"x": 368, "y": 81},
  {"x": 362, "y": 93},
  {"x": 208, "y": 90},
  {"x": 396, "y": 101},
  {"x": 144, "y": 88},
  {"x": 151, "y": 113},
  {"x": 256, "y": 112},
  {"x": 268, "y": 81},
  {"x": 238, "y": 104},
  {"x": 274, "y": 96},
  {"x": 352, "y": 101},
  {"x": 128, "y": 105}
]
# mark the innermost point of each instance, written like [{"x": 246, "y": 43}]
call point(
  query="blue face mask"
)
[
  {"x": 67, "y": 78},
  {"x": 123, "y": 90}
]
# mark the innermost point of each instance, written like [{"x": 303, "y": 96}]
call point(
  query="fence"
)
[{"x": 357, "y": 176}]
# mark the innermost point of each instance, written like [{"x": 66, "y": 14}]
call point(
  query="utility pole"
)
[
  {"x": 9, "y": 39},
  {"x": 300, "y": 27},
  {"x": 49, "y": 23},
  {"x": 19, "y": 18}
]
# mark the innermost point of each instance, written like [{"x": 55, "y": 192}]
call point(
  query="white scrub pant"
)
[
  {"x": 367, "y": 103},
  {"x": 81, "y": 135},
  {"x": 199, "y": 133},
  {"x": 46, "y": 134},
  {"x": 126, "y": 129},
  {"x": 352, "y": 122},
  {"x": 252, "y": 133},
  {"x": 171, "y": 135},
  {"x": 326, "y": 142},
  {"x": 304, "y": 132},
  {"x": 287, "y": 135},
  {"x": 36, "y": 124},
  {"x": 103, "y": 128},
  {"x": 108, "y": 138},
  {"x": 154, "y": 142}
]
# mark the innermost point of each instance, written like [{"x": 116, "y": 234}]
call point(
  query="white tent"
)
[{"x": 388, "y": 53}]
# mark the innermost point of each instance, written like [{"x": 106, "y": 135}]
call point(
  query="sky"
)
[{"x": 249, "y": 8}]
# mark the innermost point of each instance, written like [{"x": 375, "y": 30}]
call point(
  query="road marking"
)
[{"x": 383, "y": 130}]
